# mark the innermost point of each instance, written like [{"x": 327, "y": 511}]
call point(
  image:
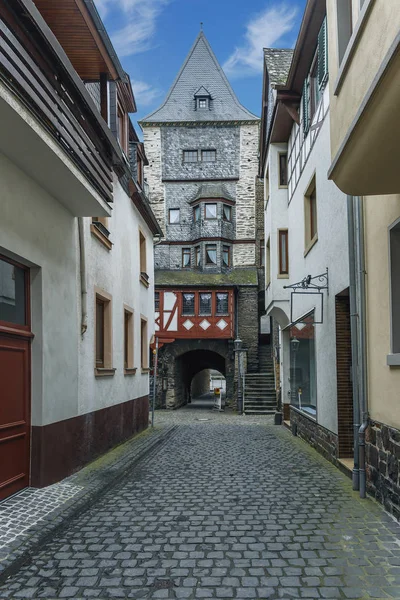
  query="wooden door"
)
[{"x": 15, "y": 338}]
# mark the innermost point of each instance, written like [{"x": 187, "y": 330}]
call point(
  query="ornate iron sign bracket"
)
[{"x": 310, "y": 286}]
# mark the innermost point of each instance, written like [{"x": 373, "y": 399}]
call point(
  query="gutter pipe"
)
[
  {"x": 362, "y": 344},
  {"x": 354, "y": 337},
  {"x": 82, "y": 263}
]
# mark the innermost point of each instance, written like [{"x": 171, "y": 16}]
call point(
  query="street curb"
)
[{"x": 41, "y": 533}]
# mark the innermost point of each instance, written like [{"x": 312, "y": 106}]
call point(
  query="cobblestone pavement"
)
[{"x": 228, "y": 508}]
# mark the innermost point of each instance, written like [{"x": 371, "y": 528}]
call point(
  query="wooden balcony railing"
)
[{"x": 36, "y": 75}]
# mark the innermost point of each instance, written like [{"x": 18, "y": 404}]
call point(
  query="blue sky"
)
[{"x": 153, "y": 37}]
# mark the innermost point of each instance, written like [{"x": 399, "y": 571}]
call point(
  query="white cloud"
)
[
  {"x": 139, "y": 23},
  {"x": 145, "y": 93},
  {"x": 262, "y": 31}
]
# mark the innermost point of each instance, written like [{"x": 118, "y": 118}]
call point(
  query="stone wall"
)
[
  {"x": 245, "y": 194},
  {"x": 323, "y": 440},
  {"x": 383, "y": 462},
  {"x": 249, "y": 324},
  {"x": 201, "y": 383},
  {"x": 153, "y": 172},
  {"x": 225, "y": 140}
]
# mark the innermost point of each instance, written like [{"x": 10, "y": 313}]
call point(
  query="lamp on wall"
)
[{"x": 295, "y": 344}]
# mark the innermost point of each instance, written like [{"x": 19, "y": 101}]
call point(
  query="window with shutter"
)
[
  {"x": 306, "y": 106},
  {"x": 322, "y": 55}
]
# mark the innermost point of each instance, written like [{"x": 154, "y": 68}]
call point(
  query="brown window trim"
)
[
  {"x": 310, "y": 216},
  {"x": 228, "y": 248},
  {"x": 129, "y": 332},
  {"x": 282, "y": 185},
  {"x": 186, "y": 251},
  {"x": 143, "y": 277},
  {"x": 283, "y": 233},
  {"x": 97, "y": 231},
  {"x": 105, "y": 368},
  {"x": 144, "y": 355},
  {"x": 223, "y": 212}
]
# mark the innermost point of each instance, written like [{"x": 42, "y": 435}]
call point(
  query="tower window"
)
[
  {"x": 211, "y": 254},
  {"x": 202, "y": 103},
  {"x": 185, "y": 257},
  {"x": 208, "y": 155},
  {"x": 210, "y": 211},
  {"x": 196, "y": 213},
  {"x": 190, "y": 156}
]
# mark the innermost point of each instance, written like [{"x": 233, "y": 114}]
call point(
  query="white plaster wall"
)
[
  {"x": 276, "y": 217},
  {"x": 39, "y": 232},
  {"x": 118, "y": 273},
  {"x": 331, "y": 250}
]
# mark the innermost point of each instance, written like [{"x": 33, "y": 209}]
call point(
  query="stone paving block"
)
[{"x": 188, "y": 524}]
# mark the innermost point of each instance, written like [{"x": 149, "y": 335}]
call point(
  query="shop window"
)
[
  {"x": 222, "y": 303},
  {"x": 197, "y": 254},
  {"x": 185, "y": 257},
  {"x": 226, "y": 256},
  {"x": 283, "y": 170},
  {"x": 205, "y": 305},
  {"x": 174, "y": 216},
  {"x": 196, "y": 213},
  {"x": 283, "y": 247},
  {"x": 210, "y": 211},
  {"x": 211, "y": 254},
  {"x": 395, "y": 287},
  {"x": 303, "y": 382},
  {"x": 227, "y": 212},
  {"x": 144, "y": 344},
  {"x": 13, "y": 290},
  {"x": 310, "y": 215},
  {"x": 128, "y": 339},
  {"x": 103, "y": 334},
  {"x": 190, "y": 156},
  {"x": 188, "y": 305},
  {"x": 208, "y": 155}
]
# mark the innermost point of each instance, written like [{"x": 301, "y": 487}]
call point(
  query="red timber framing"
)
[{"x": 173, "y": 321}]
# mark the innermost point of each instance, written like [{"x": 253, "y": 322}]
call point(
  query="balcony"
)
[{"x": 50, "y": 126}]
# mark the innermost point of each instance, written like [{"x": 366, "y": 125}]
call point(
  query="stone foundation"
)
[
  {"x": 383, "y": 458},
  {"x": 324, "y": 441}
]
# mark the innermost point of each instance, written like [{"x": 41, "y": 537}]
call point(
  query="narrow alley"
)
[{"x": 228, "y": 507}]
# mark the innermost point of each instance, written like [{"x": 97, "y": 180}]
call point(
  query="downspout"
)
[
  {"x": 236, "y": 312},
  {"x": 354, "y": 336},
  {"x": 82, "y": 260},
  {"x": 362, "y": 344}
]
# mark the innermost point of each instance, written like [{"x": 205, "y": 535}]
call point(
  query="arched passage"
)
[{"x": 190, "y": 364}]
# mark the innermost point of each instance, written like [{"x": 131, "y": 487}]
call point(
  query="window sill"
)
[
  {"x": 393, "y": 360},
  {"x": 104, "y": 372},
  {"x": 283, "y": 187},
  {"x": 311, "y": 244},
  {"x": 99, "y": 235},
  {"x": 351, "y": 46},
  {"x": 145, "y": 370},
  {"x": 130, "y": 371},
  {"x": 306, "y": 413},
  {"x": 144, "y": 280},
  {"x": 283, "y": 276}
]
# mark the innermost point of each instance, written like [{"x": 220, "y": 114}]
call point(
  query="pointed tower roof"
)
[{"x": 200, "y": 71}]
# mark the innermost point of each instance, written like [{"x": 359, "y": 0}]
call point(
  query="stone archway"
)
[{"x": 184, "y": 359}]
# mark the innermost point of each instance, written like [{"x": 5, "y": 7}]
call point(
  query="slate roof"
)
[
  {"x": 192, "y": 278},
  {"x": 278, "y": 61},
  {"x": 200, "y": 69},
  {"x": 212, "y": 190}
]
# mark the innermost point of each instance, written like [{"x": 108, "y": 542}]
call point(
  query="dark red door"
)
[{"x": 15, "y": 339}]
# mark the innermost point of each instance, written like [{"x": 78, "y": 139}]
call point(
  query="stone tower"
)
[{"x": 202, "y": 147}]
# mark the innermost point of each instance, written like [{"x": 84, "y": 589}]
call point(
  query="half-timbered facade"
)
[
  {"x": 307, "y": 275},
  {"x": 202, "y": 148}
]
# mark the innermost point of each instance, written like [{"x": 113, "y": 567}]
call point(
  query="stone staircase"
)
[{"x": 260, "y": 394}]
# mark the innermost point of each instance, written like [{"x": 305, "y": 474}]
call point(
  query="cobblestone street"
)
[{"x": 229, "y": 507}]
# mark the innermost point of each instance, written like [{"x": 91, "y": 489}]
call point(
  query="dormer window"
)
[{"x": 202, "y": 99}]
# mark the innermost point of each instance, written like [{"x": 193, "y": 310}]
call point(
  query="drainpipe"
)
[
  {"x": 362, "y": 343},
  {"x": 354, "y": 336},
  {"x": 82, "y": 260},
  {"x": 236, "y": 312}
]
